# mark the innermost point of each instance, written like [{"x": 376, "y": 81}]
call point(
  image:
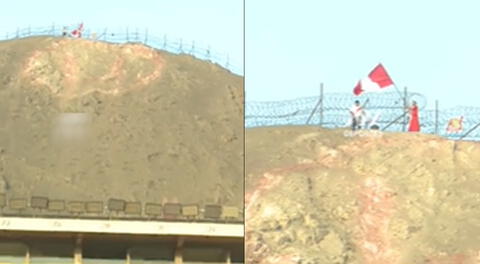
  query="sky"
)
[
  {"x": 214, "y": 23},
  {"x": 430, "y": 47}
]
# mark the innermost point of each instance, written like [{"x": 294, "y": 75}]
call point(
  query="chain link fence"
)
[{"x": 176, "y": 46}]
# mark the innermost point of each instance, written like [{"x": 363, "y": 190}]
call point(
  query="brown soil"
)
[
  {"x": 83, "y": 120},
  {"x": 321, "y": 196}
]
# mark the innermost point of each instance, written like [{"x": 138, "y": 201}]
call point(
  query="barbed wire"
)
[
  {"x": 176, "y": 46},
  {"x": 333, "y": 113}
]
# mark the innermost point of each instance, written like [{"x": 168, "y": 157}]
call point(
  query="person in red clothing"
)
[{"x": 414, "y": 121}]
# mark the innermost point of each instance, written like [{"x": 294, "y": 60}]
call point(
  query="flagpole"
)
[
  {"x": 396, "y": 88},
  {"x": 404, "y": 99},
  {"x": 394, "y": 84}
]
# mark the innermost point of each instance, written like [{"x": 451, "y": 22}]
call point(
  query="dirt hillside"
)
[
  {"x": 323, "y": 196},
  {"x": 84, "y": 120}
]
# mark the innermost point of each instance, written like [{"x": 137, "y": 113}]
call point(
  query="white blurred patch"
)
[
  {"x": 270, "y": 211},
  {"x": 71, "y": 128},
  {"x": 370, "y": 86}
]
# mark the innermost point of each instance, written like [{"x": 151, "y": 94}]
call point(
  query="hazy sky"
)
[
  {"x": 218, "y": 23},
  {"x": 432, "y": 47}
]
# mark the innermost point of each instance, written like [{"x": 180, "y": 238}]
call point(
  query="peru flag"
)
[{"x": 377, "y": 80}]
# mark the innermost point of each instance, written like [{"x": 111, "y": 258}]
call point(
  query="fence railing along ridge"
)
[
  {"x": 346, "y": 95},
  {"x": 163, "y": 43},
  {"x": 334, "y": 113}
]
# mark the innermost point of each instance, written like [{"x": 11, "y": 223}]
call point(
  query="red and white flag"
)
[
  {"x": 77, "y": 33},
  {"x": 377, "y": 80}
]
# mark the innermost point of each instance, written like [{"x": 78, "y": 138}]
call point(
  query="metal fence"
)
[
  {"x": 331, "y": 110},
  {"x": 176, "y": 46}
]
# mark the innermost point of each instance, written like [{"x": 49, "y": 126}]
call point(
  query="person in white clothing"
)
[{"x": 357, "y": 113}]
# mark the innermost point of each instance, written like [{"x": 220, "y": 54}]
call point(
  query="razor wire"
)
[
  {"x": 165, "y": 43},
  {"x": 334, "y": 113}
]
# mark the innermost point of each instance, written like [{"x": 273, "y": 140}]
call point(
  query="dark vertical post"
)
[
  {"x": 436, "y": 117},
  {"x": 405, "y": 105},
  {"x": 321, "y": 104}
]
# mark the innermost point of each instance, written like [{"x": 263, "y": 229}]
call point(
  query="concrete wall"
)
[{"x": 50, "y": 248}]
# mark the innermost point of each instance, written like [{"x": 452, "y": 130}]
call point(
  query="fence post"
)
[
  {"x": 321, "y": 104},
  {"x": 405, "y": 105},
  {"x": 436, "y": 117},
  {"x": 208, "y": 53},
  {"x": 146, "y": 35},
  {"x": 316, "y": 107},
  {"x": 395, "y": 120},
  {"x": 469, "y": 131},
  {"x": 127, "y": 35},
  {"x": 192, "y": 52}
]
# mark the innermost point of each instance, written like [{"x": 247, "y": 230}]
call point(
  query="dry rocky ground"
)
[
  {"x": 84, "y": 120},
  {"x": 318, "y": 196}
]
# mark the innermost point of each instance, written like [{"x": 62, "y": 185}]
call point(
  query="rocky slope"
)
[
  {"x": 88, "y": 120},
  {"x": 322, "y": 196}
]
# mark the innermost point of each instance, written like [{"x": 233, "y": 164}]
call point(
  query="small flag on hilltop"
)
[
  {"x": 77, "y": 33},
  {"x": 377, "y": 80}
]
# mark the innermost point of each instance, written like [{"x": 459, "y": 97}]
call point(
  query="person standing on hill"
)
[
  {"x": 356, "y": 111},
  {"x": 414, "y": 120}
]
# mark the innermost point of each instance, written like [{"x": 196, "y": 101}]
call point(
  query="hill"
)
[
  {"x": 84, "y": 120},
  {"x": 324, "y": 196}
]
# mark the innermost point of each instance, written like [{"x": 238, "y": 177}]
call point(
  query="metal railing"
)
[{"x": 176, "y": 46}]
